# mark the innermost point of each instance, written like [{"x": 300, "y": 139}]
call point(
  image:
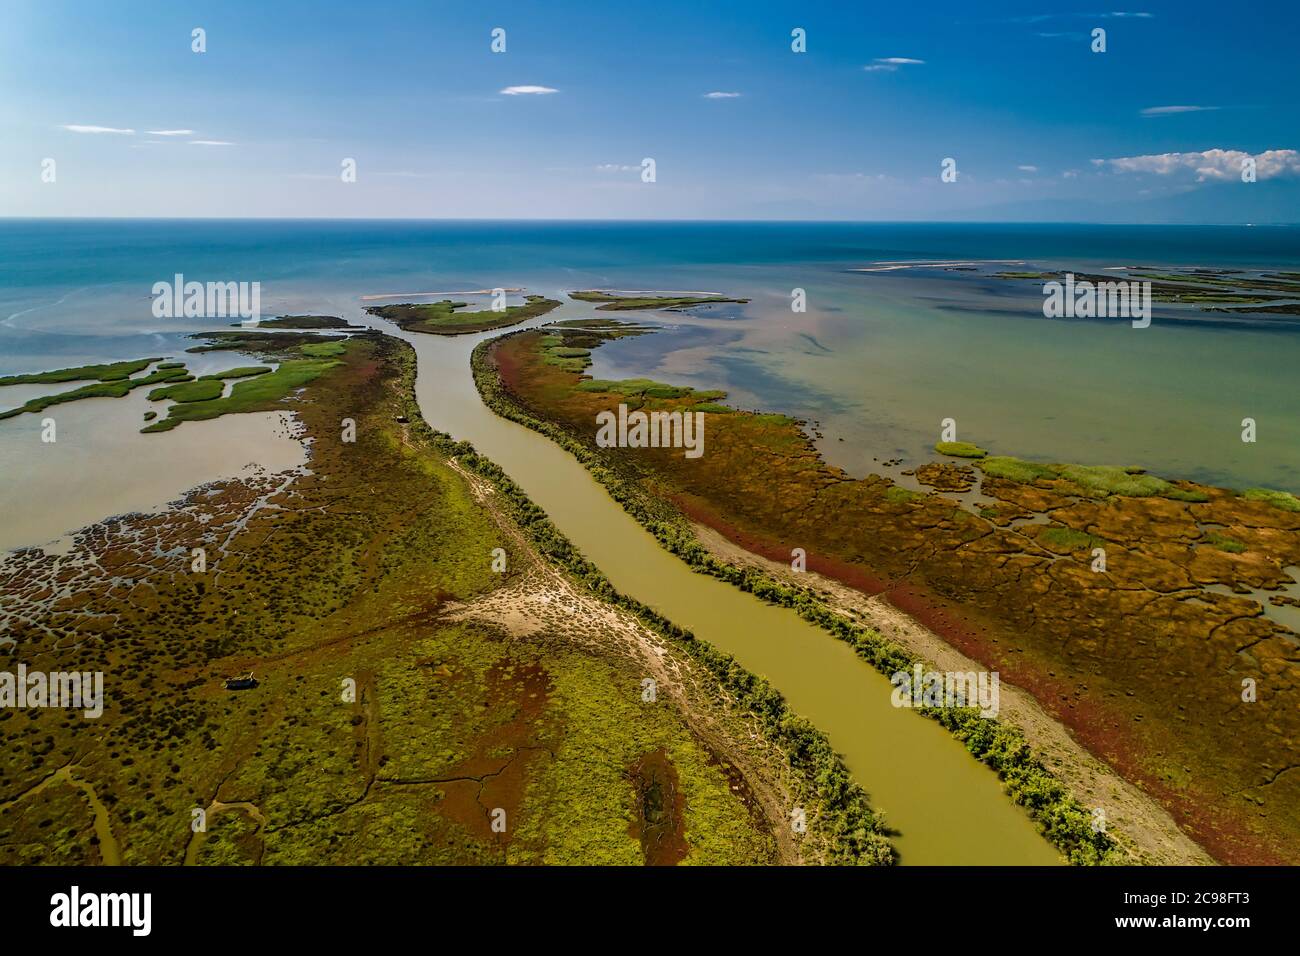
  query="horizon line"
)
[{"x": 496, "y": 219}]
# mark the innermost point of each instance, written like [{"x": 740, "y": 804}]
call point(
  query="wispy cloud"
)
[
  {"x": 1209, "y": 165},
  {"x": 720, "y": 96},
  {"x": 74, "y": 128},
  {"x": 1046, "y": 17},
  {"x": 171, "y": 132},
  {"x": 528, "y": 90},
  {"x": 888, "y": 64},
  {"x": 617, "y": 168},
  {"x": 210, "y": 142},
  {"x": 1171, "y": 110},
  {"x": 1027, "y": 169}
]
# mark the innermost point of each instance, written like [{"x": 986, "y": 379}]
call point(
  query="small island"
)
[
  {"x": 626, "y": 302},
  {"x": 443, "y": 317}
]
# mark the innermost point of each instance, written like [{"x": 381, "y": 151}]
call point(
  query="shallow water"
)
[
  {"x": 101, "y": 465},
  {"x": 947, "y": 807},
  {"x": 878, "y": 359}
]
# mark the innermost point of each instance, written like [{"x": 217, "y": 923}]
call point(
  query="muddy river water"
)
[{"x": 945, "y": 806}]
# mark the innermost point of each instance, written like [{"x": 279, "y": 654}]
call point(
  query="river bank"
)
[
  {"x": 732, "y": 495},
  {"x": 410, "y": 696}
]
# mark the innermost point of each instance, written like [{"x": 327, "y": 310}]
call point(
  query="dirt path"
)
[
  {"x": 544, "y": 598},
  {"x": 1140, "y": 825}
]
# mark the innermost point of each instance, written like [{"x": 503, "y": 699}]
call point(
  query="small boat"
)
[{"x": 247, "y": 682}]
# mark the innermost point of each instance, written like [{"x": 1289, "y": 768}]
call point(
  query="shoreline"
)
[
  {"x": 757, "y": 756},
  {"x": 885, "y": 659}
]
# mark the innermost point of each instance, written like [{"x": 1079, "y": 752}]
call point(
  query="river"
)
[{"x": 946, "y": 807}]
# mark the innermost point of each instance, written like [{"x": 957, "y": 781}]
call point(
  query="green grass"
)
[
  {"x": 1015, "y": 469},
  {"x": 633, "y": 388},
  {"x": 262, "y": 393},
  {"x": 1223, "y": 542},
  {"x": 260, "y": 343},
  {"x": 201, "y": 390},
  {"x": 1067, "y": 539},
  {"x": 113, "y": 388},
  {"x": 323, "y": 349},
  {"x": 1280, "y": 499},
  {"x": 1093, "y": 481},
  {"x": 713, "y": 408},
  {"x": 243, "y": 371},
  {"x": 108, "y": 372},
  {"x": 960, "y": 449}
]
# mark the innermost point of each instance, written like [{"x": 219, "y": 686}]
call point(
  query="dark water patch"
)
[
  {"x": 777, "y": 390},
  {"x": 659, "y": 810}
]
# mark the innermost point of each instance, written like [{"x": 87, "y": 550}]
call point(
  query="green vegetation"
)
[
  {"x": 1224, "y": 543},
  {"x": 442, "y": 318},
  {"x": 1059, "y": 538},
  {"x": 243, "y": 371},
  {"x": 1065, "y": 821},
  {"x": 448, "y": 719},
  {"x": 1078, "y": 643},
  {"x": 262, "y": 393},
  {"x": 323, "y": 349},
  {"x": 623, "y": 303},
  {"x": 1015, "y": 469},
  {"x": 109, "y": 372},
  {"x": 306, "y": 322},
  {"x": 959, "y": 449},
  {"x": 1279, "y": 499},
  {"x": 1093, "y": 481},
  {"x": 260, "y": 343},
  {"x": 201, "y": 390},
  {"x": 115, "y": 387}
]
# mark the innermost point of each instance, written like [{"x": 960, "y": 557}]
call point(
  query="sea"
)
[{"x": 902, "y": 327}]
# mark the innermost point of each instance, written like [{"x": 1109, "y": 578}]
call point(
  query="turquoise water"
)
[{"x": 879, "y": 359}]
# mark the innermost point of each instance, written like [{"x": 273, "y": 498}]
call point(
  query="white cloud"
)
[
  {"x": 210, "y": 142},
  {"x": 888, "y": 64},
  {"x": 721, "y": 96},
  {"x": 616, "y": 168},
  {"x": 528, "y": 90},
  {"x": 1170, "y": 110},
  {"x": 171, "y": 132},
  {"x": 74, "y": 128},
  {"x": 1027, "y": 169},
  {"x": 1219, "y": 165}
]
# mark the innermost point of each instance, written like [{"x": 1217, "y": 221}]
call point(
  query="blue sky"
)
[{"x": 261, "y": 122}]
